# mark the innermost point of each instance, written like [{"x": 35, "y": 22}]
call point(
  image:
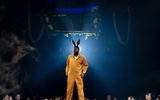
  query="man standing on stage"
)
[{"x": 76, "y": 67}]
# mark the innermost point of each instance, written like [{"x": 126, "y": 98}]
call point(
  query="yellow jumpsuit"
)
[{"x": 74, "y": 68}]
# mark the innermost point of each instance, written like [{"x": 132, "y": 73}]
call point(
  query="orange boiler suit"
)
[{"x": 74, "y": 68}]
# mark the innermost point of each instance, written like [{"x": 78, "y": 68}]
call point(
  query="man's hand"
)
[
  {"x": 66, "y": 74},
  {"x": 82, "y": 74}
]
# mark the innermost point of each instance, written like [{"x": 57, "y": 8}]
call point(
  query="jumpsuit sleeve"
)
[
  {"x": 67, "y": 65},
  {"x": 85, "y": 65}
]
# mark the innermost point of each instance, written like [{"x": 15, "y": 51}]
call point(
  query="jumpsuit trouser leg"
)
[
  {"x": 70, "y": 86},
  {"x": 79, "y": 83}
]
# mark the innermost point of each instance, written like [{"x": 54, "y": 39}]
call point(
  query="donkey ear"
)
[
  {"x": 73, "y": 43},
  {"x": 78, "y": 42}
]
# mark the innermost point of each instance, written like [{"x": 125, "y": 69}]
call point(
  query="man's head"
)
[
  {"x": 76, "y": 51},
  {"x": 76, "y": 47},
  {"x": 18, "y": 97},
  {"x": 148, "y": 96}
]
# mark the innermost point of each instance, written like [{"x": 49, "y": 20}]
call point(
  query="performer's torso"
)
[{"x": 75, "y": 65}]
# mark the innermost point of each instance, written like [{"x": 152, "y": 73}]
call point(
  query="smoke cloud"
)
[{"x": 12, "y": 49}]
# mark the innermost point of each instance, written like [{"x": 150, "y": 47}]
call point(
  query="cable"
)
[
  {"x": 29, "y": 29},
  {"x": 116, "y": 29}
]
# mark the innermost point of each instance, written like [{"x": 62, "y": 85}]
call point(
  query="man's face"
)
[
  {"x": 18, "y": 96},
  {"x": 76, "y": 51},
  {"x": 148, "y": 96}
]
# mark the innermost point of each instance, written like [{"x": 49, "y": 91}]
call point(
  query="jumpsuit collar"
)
[{"x": 76, "y": 57}]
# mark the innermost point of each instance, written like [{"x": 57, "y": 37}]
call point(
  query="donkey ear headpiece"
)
[{"x": 78, "y": 42}]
